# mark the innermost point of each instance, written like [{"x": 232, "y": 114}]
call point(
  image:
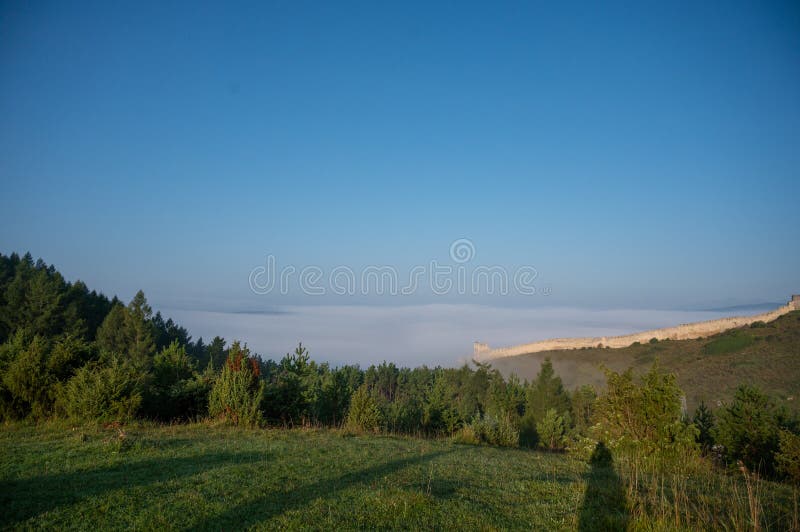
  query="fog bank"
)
[{"x": 416, "y": 335}]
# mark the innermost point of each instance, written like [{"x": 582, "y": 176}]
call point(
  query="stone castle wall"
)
[{"x": 689, "y": 331}]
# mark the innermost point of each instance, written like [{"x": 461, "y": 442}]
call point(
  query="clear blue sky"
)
[{"x": 635, "y": 155}]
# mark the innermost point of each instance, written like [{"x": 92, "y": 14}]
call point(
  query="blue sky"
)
[{"x": 638, "y": 156}]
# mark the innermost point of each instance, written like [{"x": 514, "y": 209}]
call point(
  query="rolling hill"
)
[{"x": 766, "y": 355}]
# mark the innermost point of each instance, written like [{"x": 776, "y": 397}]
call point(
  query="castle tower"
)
[{"x": 479, "y": 348}]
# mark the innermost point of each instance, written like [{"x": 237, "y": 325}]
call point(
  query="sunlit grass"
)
[{"x": 220, "y": 478}]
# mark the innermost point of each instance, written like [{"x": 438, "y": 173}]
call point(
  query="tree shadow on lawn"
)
[
  {"x": 22, "y": 499},
  {"x": 276, "y": 503},
  {"x": 604, "y": 503}
]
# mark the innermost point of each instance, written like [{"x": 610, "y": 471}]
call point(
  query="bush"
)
[
  {"x": 467, "y": 435},
  {"x": 237, "y": 393},
  {"x": 364, "y": 414},
  {"x": 495, "y": 431},
  {"x": 647, "y": 416},
  {"x": 748, "y": 429},
  {"x": 103, "y": 392},
  {"x": 787, "y": 459},
  {"x": 528, "y": 435},
  {"x": 176, "y": 391},
  {"x": 729, "y": 343},
  {"x": 552, "y": 435},
  {"x": 26, "y": 377}
]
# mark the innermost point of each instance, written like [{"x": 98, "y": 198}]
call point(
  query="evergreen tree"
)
[
  {"x": 363, "y": 414},
  {"x": 112, "y": 334},
  {"x": 703, "y": 420},
  {"x": 546, "y": 392},
  {"x": 238, "y": 392},
  {"x": 139, "y": 330},
  {"x": 748, "y": 428}
]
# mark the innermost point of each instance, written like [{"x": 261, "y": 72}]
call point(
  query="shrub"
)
[
  {"x": 291, "y": 390},
  {"x": 582, "y": 408},
  {"x": 787, "y": 459},
  {"x": 439, "y": 415},
  {"x": 364, "y": 414},
  {"x": 26, "y": 378},
  {"x": 728, "y": 343},
  {"x": 748, "y": 429},
  {"x": 654, "y": 340},
  {"x": 647, "y": 416},
  {"x": 495, "y": 431},
  {"x": 237, "y": 393},
  {"x": 552, "y": 435},
  {"x": 528, "y": 435},
  {"x": 467, "y": 435},
  {"x": 176, "y": 391},
  {"x": 703, "y": 420},
  {"x": 103, "y": 392},
  {"x": 758, "y": 325},
  {"x": 68, "y": 354}
]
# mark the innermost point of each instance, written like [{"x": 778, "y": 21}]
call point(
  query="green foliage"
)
[
  {"x": 26, "y": 378},
  {"x": 331, "y": 393},
  {"x": 237, "y": 392},
  {"x": 730, "y": 342},
  {"x": 551, "y": 430},
  {"x": 440, "y": 414},
  {"x": 109, "y": 391},
  {"x": 582, "y": 403},
  {"x": 172, "y": 365},
  {"x": 748, "y": 428},
  {"x": 646, "y": 416},
  {"x": 494, "y": 430},
  {"x": 528, "y": 433},
  {"x": 547, "y": 392},
  {"x": 703, "y": 420},
  {"x": 68, "y": 354},
  {"x": 787, "y": 459},
  {"x": 128, "y": 331},
  {"x": 363, "y": 414},
  {"x": 175, "y": 390},
  {"x": 291, "y": 392}
]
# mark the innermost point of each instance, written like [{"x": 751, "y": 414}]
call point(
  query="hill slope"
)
[{"x": 708, "y": 369}]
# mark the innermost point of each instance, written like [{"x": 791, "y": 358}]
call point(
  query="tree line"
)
[{"x": 69, "y": 352}]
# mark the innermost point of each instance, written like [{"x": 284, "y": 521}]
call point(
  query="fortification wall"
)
[{"x": 688, "y": 331}]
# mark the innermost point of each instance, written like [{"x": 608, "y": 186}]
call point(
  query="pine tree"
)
[
  {"x": 546, "y": 392},
  {"x": 363, "y": 414},
  {"x": 703, "y": 420}
]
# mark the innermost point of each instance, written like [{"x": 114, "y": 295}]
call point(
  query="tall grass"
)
[{"x": 688, "y": 493}]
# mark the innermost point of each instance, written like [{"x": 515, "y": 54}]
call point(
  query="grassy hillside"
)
[
  {"x": 708, "y": 369},
  {"x": 221, "y": 478}
]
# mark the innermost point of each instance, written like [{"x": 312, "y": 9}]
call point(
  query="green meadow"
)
[{"x": 214, "y": 477}]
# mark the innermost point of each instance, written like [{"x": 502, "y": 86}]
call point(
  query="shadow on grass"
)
[
  {"x": 276, "y": 503},
  {"x": 25, "y": 498},
  {"x": 604, "y": 506}
]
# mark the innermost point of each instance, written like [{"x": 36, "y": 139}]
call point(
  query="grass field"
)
[
  {"x": 708, "y": 369},
  {"x": 216, "y": 477}
]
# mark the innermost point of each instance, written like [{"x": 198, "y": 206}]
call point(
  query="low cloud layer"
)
[{"x": 416, "y": 335}]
